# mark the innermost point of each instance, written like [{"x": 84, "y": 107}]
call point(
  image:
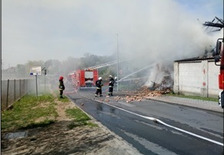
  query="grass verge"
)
[
  {"x": 80, "y": 118},
  {"x": 64, "y": 99},
  {"x": 29, "y": 112},
  {"x": 194, "y": 97}
]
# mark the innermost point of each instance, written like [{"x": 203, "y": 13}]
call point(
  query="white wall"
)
[
  {"x": 196, "y": 78},
  {"x": 213, "y": 72}
]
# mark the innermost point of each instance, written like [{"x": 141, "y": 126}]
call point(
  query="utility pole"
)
[{"x": 117, "y": 63}]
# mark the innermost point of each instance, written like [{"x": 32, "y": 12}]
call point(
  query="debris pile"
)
[
  {"x": 161, "y": 77},
  {"x": 143, "y": 93}
]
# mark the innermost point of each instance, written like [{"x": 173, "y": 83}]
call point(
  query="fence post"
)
[
  {"x": 25, "y": 84},
  {"x": 24, "y": 87},
  {"x": 7, "y": 94},
  {"x": 36, "y": 86},
  {"x": 14, "y": 89},
  {"x": 1, "y": 96},
  {"x": 20, "y": 89}
]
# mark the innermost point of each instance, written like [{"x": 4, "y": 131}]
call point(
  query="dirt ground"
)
[{"x": 57, "y": 138}]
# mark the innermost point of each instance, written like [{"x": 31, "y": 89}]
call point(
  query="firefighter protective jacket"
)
[
  {"x": 61, "y": 85},
  {"x": 99, "y": 84},
  {"x": 111, "y": 82}
]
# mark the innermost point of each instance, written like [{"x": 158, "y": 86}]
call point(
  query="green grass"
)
[
  {"x": 27, "y": 110},
  {"x": 31, "y": 111},
  {"x": 194, "y": 97},
  {"x": 64, "y": 99},
  {"x": 80, "y": 118}
]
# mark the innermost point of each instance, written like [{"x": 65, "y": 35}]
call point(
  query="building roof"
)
[{"x": 194, "y": 59}]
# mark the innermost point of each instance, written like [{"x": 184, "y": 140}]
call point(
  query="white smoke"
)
[
  {"x": 157, "y": 74},
  {"x": 148, "y": 31},
  {"x": 165, "y": 32},
  {"x": 43, "y": 29}
]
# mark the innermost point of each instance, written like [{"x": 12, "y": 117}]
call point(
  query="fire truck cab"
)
[{"x": 219, "y": 57}]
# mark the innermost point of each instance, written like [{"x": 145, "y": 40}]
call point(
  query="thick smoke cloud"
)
[
  {"x": 46, "y": 29},
  {"x": 149, "y": 32}
]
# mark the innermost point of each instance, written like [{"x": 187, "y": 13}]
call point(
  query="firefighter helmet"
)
[
  {"x": 115, "y": 78},
  {"x": 61, "y": 78},
  {"x": 100, "y": 78},
  {"x": 110, "y": 76}
]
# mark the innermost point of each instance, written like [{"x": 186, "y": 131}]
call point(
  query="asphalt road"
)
[{"x": 149, "y": 137}]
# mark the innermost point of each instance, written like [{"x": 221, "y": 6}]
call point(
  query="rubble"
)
[
  {"x": 106, "y": 100},
  {"x": 144, "y": 93},
  {"x": 160, "y": 78}
]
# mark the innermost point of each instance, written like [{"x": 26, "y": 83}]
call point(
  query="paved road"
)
[{"x": 153, "y": 138}]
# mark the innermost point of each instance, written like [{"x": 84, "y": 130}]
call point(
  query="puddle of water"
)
[{"x": 15, "y": 135}]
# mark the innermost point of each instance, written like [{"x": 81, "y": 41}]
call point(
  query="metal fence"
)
[{"x": 13, "y": 90}]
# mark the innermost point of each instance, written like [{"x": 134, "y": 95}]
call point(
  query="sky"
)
[{"x": 58, "y": 29}]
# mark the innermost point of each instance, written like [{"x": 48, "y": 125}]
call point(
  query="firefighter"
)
[
  {"x": 61, "y": 86},
  {"x": 99, "y": 87},
  {"x": 111, "y": 85}
]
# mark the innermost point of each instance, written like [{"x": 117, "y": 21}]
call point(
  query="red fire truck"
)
[
  {"x": 84, "y": 78},
  {"x": 219, "y": 57},
  {"x": 218, "y": 24}
]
